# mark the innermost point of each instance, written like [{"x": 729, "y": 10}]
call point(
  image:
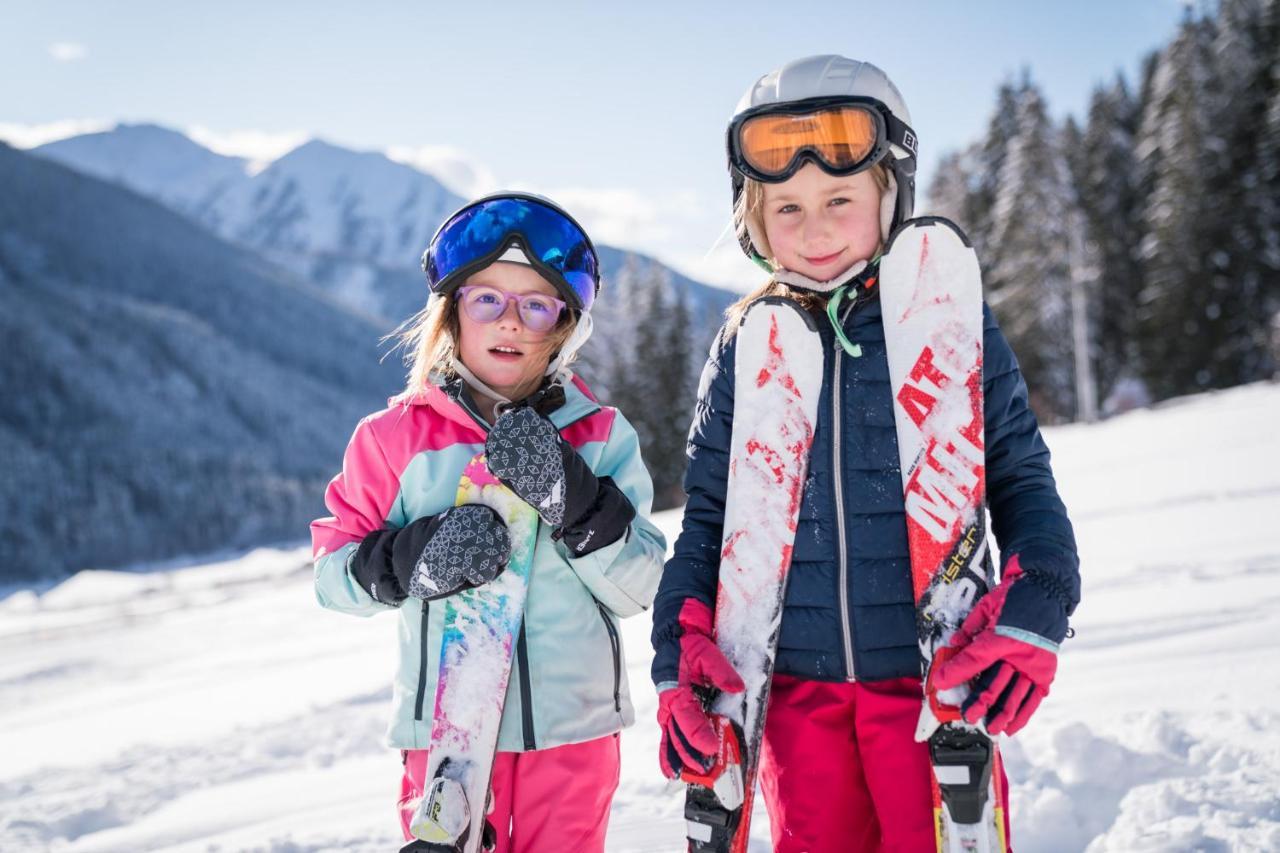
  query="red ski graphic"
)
[{"x": 931, "y": 294}]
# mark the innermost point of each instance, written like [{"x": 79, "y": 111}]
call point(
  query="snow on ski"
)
[
  {"x": 931, "y": 296},
  {"x": 777, "y": 382},
  {"x": 478, "y": 639}
]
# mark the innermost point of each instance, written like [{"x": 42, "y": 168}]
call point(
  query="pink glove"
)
[
  {"x": 1013, "y": 664},
  {"x": 689, "y": 740}
]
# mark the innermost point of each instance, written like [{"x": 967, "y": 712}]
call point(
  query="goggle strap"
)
[{"x": 901, "y": 135}]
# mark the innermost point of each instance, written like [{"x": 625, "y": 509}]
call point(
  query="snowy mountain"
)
[
  {"x": 217, "y": 707},
  {"x": 320, "y": 199},
  {"x": 153, "y": 161},
  {"x": 338, "y": 217},
  {"x": 165, "y": 393}
]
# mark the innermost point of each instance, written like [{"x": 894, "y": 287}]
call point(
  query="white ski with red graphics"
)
[
  {"x": 931, "y": 296},
  {"x": 477, "y": 641},
  {"x": 777, "y": 382}
]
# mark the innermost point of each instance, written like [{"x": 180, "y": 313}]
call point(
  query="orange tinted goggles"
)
[{"x": 842, "y": 137}]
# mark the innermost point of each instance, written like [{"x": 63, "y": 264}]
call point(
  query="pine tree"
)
[
  {"x": 650, "y": 382},
  {"x": 1028, "y": 279},
  {"x": 1246, "y": 51},
  {"x": 1082, "y": 263},
  {"x": 673, "y": 384},
  {"x": 951, "y": 193},
  {"x": 1178, "y": 307},
  {"x": 989, "y": 158},
  {"x": 1104, "y": 171},
  {"x": 1265, "y": 199}
]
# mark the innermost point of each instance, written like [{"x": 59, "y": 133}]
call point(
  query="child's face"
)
[
  {"x": 819, "y": 225},
  {"x": 506, "y": 354}
]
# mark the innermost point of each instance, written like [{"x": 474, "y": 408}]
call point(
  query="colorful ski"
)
[
  {"x": 777, "y": 382},
  {"x": 480, "y": 629},
  {"x": 931, "y": 296}
]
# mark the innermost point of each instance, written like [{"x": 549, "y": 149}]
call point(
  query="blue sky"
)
[{"x": 618, "y": 110}]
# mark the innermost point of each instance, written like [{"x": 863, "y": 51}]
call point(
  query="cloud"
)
[
  {"x": 259, "y": 147},
  {"x": 453, "y": 167},
  {"x": 32, "y": 135},
  {"x": 67, "y": 51},
  {"x": 631, "y": 218}
]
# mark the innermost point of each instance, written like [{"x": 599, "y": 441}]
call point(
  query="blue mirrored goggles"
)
[{"x": 475, "y": 236}]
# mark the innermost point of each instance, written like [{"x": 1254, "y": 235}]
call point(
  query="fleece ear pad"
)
[{"x": 523, "y": 451}]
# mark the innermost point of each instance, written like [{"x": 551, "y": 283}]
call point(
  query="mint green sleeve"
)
[{"x": 623, "y": 576}]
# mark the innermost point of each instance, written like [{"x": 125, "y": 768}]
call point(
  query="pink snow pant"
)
[
  {"x": 545, "y": 801},
  {"x": 840, "y": 769}
]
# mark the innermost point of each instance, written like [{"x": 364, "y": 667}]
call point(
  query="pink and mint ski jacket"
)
[{"x": 568, "y": 679}]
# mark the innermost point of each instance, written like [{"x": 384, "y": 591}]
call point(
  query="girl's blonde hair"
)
[
  {"x": 750, "y": 209},
  {"x": 429, "y": 339}
]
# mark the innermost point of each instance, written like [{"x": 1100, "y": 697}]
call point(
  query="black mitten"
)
[
  {"x": 525, "y": 451},
  {"x": 432, "y": 557}
]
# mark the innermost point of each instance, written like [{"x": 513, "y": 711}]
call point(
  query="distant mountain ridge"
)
[
  {"x": 155, "y": 162},
  {"x": 340, "y": 218}
]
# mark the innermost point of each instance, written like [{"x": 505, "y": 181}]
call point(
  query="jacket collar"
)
[{"x": 579, "y": 403}]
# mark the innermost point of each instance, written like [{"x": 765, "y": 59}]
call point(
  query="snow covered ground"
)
[{"x": 217, "y": 708}]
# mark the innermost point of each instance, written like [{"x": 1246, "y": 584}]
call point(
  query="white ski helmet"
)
[{"x": 841, "y": 114}]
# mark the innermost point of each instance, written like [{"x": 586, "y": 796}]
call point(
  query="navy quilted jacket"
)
[{"x": 862, "y": 628}]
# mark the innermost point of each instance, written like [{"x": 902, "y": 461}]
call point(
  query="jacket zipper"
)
[
  {"x": 526, "y": 691},
  {"x": 465, "y": 403},
  {"x": 617, "y": 657},
  {"x": 422, "y": 665},
  {"x": 846, "y": 623}
]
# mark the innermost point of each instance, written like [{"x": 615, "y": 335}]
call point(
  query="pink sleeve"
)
[{"x": 359, "y": 498}]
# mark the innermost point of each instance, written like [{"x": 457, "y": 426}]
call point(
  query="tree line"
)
[
  {"x": 655, "y": 350},
  {"x": 1135, "y": 255}
]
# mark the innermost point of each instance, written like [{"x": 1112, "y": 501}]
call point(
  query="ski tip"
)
[
  {"x": 927, "y": 222},
  {"x": 764, "y": 302}
]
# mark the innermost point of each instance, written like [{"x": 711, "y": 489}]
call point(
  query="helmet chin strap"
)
[
  {"x": 581, "y": 332},
  {"x": 479, "y": 386},
  {"x": 888, "y": 204}
]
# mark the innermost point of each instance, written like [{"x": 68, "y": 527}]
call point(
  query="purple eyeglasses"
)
[{"x": 485, "y": 304}]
